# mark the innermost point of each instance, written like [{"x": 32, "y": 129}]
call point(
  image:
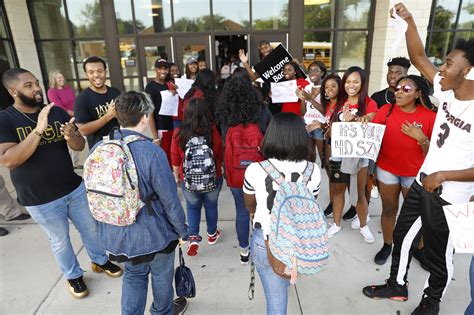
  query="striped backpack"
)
[{"x": 298, "y": 241}]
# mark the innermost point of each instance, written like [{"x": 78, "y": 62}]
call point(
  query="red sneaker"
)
[
  {"x": 193, "y": 245},
  {"x": 212, "y": 239}
]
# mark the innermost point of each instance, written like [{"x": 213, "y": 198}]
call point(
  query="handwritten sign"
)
[
  {"x": 169, "y": 104},
  {"x": 184, "y": 85},
  {"x": 283, "y": 92},
  {"x": 270, "y": 68},
  {"x": 460, "y": 220},
  {"x": 356, "y": 140}
]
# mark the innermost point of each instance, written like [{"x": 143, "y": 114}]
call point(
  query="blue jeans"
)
[
  {"x": 242, "y": 218},
  {"x": 470, "y": 307},
  {"x": 53, "y": 218},
  {"x": 194, "y": 202},
  {"x": 135, "y": 286},
  {"x": 274, "y": 286}
]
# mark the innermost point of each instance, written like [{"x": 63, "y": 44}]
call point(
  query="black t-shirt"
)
[
  {"x": 383, "y": 97},
  {"x": 48, "y": 174},
  {"x": 162, "y": 122},
  {"x": 90, "y": 106}
]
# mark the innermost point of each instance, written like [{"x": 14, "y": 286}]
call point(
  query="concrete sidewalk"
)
[{"x": 30, "y": 281}]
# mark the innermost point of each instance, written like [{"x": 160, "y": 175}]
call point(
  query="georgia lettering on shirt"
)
[
  {"x": 102, "y": 109},
  {"x": 458, "y": 122},
  {"x": 51, "y": 134}
]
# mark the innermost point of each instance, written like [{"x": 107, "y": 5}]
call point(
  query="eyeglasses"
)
[{"x": 406, "y": 88}]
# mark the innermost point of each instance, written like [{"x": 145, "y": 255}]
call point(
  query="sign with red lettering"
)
[{"x": 460, "y": 218}]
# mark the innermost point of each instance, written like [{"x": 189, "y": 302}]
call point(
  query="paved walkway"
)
[{"x": 30, "y": 281}]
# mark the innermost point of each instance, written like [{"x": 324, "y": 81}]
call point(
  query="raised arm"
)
[
  {"x": 415, "y": 47},
  {"x": 245, "y": 58}
]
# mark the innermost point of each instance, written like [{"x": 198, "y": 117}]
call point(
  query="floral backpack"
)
[{"x": 111, "y": 180}]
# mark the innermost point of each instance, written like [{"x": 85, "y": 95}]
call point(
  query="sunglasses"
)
[{"x": 406, "y": 88}]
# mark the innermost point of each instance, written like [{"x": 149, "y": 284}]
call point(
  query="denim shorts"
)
[
  {"x": 317, "y": 134},
  {"x": 391, "y": 179}
]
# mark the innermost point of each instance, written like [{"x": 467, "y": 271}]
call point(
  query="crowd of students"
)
[{"x": 426, "y": 155}]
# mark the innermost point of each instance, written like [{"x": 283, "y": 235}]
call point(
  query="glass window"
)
[
  {"x": 124, "y": 17},
  {"x": 3, "y": 29},
  {"x": 57, "y": 55},
  {"x": 151, "y": 54},
  {"x": 192, "y": 15},
  {"x": 87, "y": 48},
  {"x": 230, "y": 15},
  {"x": 439, "y": 47},
  {"x": 466, "y": 17},
  {"x": 50, "y": 18},
  {"x": 85, "y": 17},
  {"x": 153, "y": 16},
  {"x": 131, "y": 84},
  {"x": 353, "y": 14},
  {"x": 270, "y": 14},
  {"x": 317, "y": 47},
  {"x": 445, "y": 14},
  {"x": 128, "y": 57},
  {"x": 352, "y": 49},
  {"x": 318, "y": 14}
]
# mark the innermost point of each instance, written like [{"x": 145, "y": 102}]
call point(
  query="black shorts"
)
[{"x": 335, "y": 174}]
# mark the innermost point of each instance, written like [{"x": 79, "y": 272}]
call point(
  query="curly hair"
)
[
  {"x": 239, "y": 102},
  {"x": 206, "y": 82},
  {"x": 467, "y": 46},
  {"x": 399, "y": 61}
]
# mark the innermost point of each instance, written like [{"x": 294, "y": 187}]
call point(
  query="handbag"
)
[
  {"x": 278, "y": 267},
  {"x": 183, "y": 279}
]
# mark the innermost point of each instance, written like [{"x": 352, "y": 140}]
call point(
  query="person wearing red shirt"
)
[
  {"x": 298, "y": 107},
  {"x": 409, "y": 123},
  {"x": 198, "y": 123},
  {"x": 353, "y": 105}
]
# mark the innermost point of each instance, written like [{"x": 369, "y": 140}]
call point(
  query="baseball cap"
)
[
  {"x": 191, "y": 60},
  {"x": 161, "y": 63}
]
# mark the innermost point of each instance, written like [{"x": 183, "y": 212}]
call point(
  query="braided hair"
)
[{"x": 423, "y": 99}]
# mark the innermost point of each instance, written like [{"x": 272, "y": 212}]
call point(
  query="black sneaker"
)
[
  {"x": 3, "y": 231},
  {"x": 389, "y": 290},
  {"x": 383, "y": 254},
  {"x": 180, "y": 305},
  {"x": 78, "y": 288},
  {"x": 109, "y": 268},
  {"x": 350, "y": 214},
  {"x": 244, "y": 257},
  {"x": 21, "y": 217},
  {"x": 427, "y": 306},
  {"x": 419, "y": 254},
  {"x": 328, "y": 210}
]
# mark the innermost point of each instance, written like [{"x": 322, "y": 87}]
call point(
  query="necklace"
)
[{"x": 25, "y": 115}]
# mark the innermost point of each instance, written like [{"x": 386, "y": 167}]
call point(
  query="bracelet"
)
[
  {"x": 36, "y": 132},
  {"x": 424, "y": 142}
]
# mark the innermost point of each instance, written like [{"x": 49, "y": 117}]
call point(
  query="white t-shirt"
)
[
  {"x": 312, "y": 113},
  {"x": 256, "y": 180},
  {"x": 451, "y": 143}
]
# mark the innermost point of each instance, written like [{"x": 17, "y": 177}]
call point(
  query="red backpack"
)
[{"x": 242, "y": 147}]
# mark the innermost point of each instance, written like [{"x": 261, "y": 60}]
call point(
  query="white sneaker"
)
[
  {"x": 374, "y": 193},
  {"x": 355, "y": 224},
  {"x": 367, "y": 235},
  {"x": 333, "y": 229}
]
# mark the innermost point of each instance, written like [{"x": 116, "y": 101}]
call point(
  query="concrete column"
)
[
  {"x": 22, "y": 33},
  {"x": 384, "y": 37}
]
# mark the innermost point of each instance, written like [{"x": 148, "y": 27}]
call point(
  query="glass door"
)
[
  {"x": 196, "y": 46},
  {"x": 274, "y": 38},
  {"x": 150, "y": 49}
]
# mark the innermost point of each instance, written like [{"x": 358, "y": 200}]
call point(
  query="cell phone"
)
[{"x": 438, "y": 190}]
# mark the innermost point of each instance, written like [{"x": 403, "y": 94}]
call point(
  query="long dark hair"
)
[
  {"x": 196, "y": 122},
  {"x": 343, "y": 96},
  {"x": 206, "y": 82},
  {"x": 423, "y": 99},
  {"x": 239, "y": 102},
  {"x": 322, "y": 92}
]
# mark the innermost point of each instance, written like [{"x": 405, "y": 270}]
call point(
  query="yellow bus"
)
[{"x": 317, "y": 51}]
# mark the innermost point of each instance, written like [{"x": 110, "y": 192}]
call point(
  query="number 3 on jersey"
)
[{"x": 443, "y": 135}]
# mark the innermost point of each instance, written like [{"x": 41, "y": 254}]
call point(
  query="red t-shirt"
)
[
  {"x": 198, "y": 93},
  {"x": 370, "y": 107},
  {"x": 177, "y": 154},
  {"x": 295, "y": 107},
  {"x": 400, "y": 154}
]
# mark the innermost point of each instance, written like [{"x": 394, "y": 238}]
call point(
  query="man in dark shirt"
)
[
  {"x": 34, "y": 144},
  {"x": 94, "y": 108},
  {"x": 397, "y": 68}
]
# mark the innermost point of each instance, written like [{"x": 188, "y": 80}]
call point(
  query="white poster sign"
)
[
  {"x": 460, "y": 218},
  {"x": 284, "y": 92},
  {"x": 356, "y": 140},
  {"x": 169, "y": 103},
  {"x": 184, "y": 85}
]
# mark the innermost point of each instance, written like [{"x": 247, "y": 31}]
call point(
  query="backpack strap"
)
[
  {"x": 308, "y": 172},
  {"x": 273, "y": 172}
]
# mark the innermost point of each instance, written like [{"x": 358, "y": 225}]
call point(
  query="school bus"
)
[{"x": 317, "y": 51}]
